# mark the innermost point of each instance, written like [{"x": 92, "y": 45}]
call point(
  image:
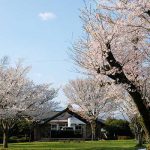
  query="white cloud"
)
[{"x": 45, "y": 16}]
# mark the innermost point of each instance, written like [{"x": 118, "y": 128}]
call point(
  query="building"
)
[{"x": 66, "y": 124}]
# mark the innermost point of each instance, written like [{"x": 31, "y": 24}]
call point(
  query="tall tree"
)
[{"x": 117, "y": 45}]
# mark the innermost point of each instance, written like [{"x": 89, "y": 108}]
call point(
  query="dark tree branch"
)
[{"x": 148, "y": 12}]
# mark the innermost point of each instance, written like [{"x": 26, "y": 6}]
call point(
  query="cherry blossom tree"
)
[
  {"x": 18, "y": 94},
  {"x": 117, "y": 45},
  {"x": 91, "y": 96}
]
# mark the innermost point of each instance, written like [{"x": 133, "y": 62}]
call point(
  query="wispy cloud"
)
[{"x": 45, "y": 16}]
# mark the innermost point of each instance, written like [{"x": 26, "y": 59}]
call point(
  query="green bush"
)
[{"x": 15, "y": 139}]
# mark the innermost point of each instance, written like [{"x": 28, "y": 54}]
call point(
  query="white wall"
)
[{"x": 73, "y": 120}]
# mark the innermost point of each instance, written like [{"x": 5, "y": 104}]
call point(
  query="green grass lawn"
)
[{"x": 76, "y": 145}]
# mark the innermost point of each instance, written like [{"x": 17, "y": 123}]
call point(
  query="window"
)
[
  {"x": 61, "y": 126},
  {"x": 78, "y": 127},
  {"x": 54, "y": 127}
]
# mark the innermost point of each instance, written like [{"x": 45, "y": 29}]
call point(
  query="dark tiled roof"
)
[{"x": 65, "y": 114}]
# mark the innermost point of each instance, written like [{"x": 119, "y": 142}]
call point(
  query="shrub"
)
[
  {"x": 15, "y": 139},
  {"x": 148, "y": 147}
]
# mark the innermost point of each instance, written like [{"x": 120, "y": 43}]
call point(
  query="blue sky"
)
[{"x": 40, "y": 32}]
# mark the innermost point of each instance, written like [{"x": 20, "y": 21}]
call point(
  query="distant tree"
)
[
  {"x": 117, "y": 127},
  {"x": 92, "y": 98},
  {"x": 18, "y": 94}
]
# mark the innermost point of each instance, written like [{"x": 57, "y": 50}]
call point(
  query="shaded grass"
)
[{"x": 76, "y": 145}]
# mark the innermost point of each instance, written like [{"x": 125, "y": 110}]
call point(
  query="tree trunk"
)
[
  {"x": 120, "y": 78},
  {"x": 30, "y": 134},
  {"x": 92, "y": 130},
  {"x": 140, "y": 139},
  {"x": 138, "y": 130},
  {"x": 5, "y": 137},
  {"x": 142, "y": 108}
]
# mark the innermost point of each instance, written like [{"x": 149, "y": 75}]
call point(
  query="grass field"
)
[{"x": 76, "y": 145}]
